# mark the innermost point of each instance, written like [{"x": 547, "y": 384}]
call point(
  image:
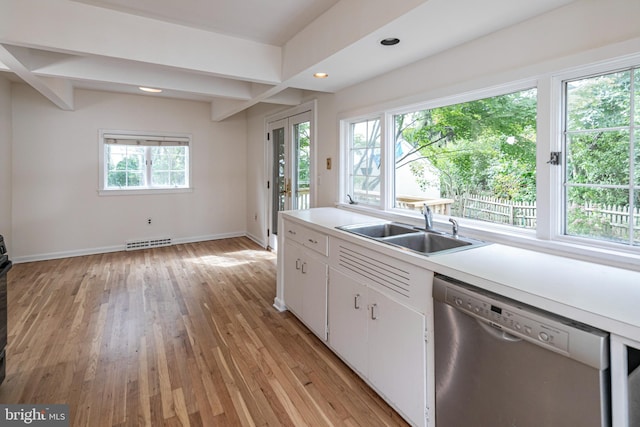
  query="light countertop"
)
[{"x": 601, "y": 296}]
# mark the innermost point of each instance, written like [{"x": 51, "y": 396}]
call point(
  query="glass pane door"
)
[
  {"x": 280, "y": 183},
  {"x": 302, "y": 170},
  {"x": 291, "y": 169}
]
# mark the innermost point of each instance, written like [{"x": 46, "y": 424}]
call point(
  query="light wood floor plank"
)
[{"x": 177, "y": 336}]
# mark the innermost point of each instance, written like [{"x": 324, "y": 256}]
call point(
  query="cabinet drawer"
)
[{"x": 308, "y": 238}]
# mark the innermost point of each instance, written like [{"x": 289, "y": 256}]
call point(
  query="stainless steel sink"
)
[
  {"x": 425, "y": 242},
  {"x": 429, "y": 242},
  {"x": 380, "y": 230}
]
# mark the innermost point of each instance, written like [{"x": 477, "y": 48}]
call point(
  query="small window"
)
[
  {"x": 364, "y": 162},
  {"x": 602, "y": 168},
  {"x": 143, "y": 162}
]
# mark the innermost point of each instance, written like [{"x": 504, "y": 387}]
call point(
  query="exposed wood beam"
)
[{"x": 59, "y": 91}]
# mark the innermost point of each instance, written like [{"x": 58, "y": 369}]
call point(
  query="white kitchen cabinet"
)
[
  {"x": 292, "y": 278},
  {"x": 397, "y": 358},
  {"x": 305, "y": 277},
  {"x": 374, "y": 307},
  {"x": 382, "y": 339},
  {"x": 348, "y": 317}
]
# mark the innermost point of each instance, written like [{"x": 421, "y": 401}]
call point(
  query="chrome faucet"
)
[
  {"x": 428, "y": 217},
  {"x": 454, "y": 224}
]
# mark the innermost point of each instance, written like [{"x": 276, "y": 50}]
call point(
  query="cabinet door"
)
[
  {"x": 292, "y": 278},
  {"x": 397, "y": 355},
  {"x": 314, "y": 299},
  {"x": 348, "y": 319}
]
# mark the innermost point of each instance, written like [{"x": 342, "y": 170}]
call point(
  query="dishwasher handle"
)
[{"x": 497, "y": 332}]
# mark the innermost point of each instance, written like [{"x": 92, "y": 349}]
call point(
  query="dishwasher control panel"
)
[{"x": 510, "y": 319}]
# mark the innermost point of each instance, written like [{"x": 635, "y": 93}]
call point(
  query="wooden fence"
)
[
  {"x": 495, "y": 210},
  {"x": 614, "y": 218},
  {"x": 612, "y": 221}
]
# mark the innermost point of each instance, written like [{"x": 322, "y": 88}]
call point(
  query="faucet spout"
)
[
  {"x": 428, "y": 217},
  {"x": 454, "y": 225}
]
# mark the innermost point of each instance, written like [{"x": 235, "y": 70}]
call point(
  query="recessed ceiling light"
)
[
  {"x": 391, "y": 41},
  {"x": 149, "y": 89},
  {"x": 320, "y": 75}
]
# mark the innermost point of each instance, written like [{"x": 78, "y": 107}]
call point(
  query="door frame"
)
[{"x": 268, "y": 144}]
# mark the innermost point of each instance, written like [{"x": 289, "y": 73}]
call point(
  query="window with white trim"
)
[
  {"x": 144, "y": 162},
  {"x": 474, "y": 159},
  {"x": 582, "y": 196},
  {"x": 602, "y": 157},
  {"x": 365, "y": 158}
]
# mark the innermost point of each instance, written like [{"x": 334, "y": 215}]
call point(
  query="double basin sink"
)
[{"x": 425, "y": 242}]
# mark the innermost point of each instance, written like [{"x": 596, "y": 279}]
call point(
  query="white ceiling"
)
[
  {"x": 271, "y": 22},
  {"x": 233, "y": 54}
]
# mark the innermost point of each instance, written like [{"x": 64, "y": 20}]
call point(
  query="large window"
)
[
  {"x": 557, "y": 159},
  {"x": 602, "y": 146},
  {"x": 143, "y": 162},
  {"x": 474, "y": 159}
]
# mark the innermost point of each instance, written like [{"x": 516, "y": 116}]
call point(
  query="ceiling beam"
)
[
  {"x": 288, "y": 96},
  {"x": 59, "y": 91},
  {"x": 101, "y": 69},
  {"x": 336, "y": 30},
  {"x": 91, "y": 30},
  {"x": 223, "y": 109}
]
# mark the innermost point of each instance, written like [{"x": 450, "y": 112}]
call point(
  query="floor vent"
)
[{"x": 132, "y": 245}]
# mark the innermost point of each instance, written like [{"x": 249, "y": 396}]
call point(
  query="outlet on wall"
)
[{"x": 149, "y": 221}]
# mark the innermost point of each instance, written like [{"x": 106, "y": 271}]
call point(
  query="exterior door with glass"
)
[{"x": 290, "y": 153}]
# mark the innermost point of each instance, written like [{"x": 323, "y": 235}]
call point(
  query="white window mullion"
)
[
  {"x": 548, "y": 177},
  {"x": 632, "y": 155},
  {"x": 148, "y": 163},
  {"x": 386, "y": 162}
]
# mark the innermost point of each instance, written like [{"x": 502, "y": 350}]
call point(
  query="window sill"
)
[
  {"x": 526, "y": 239},
  {"x": 144, "y": 191}
]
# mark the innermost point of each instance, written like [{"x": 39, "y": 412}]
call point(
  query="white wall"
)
[
  {"x": 257, "y": 193},
  {"x": 566, "y": 37},
  {"x": 5, "y": 161},
  {"x": 56, "y": 208}
]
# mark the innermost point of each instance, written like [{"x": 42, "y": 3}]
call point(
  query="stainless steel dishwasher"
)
[{"x": 500, "y": 363}]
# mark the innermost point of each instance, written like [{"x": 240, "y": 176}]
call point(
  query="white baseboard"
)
[
  {"x": 257, "y": 240},
  {"x": 67, "y": 254},
  {"x": 279, "y": 305},
  {"x": 118, "y": 248}
]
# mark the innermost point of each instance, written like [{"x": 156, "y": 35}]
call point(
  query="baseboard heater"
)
[{"x": 132, "y": 245}]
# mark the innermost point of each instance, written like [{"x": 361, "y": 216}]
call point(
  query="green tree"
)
[
  {"x": 483, "y": 147},
  {"x": 597, "y": 153},
  {"x": 303, "y": 153},
  {"x": 126, "y": 174}
]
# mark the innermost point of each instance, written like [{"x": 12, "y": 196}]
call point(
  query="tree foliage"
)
[
  {"x": 483, "y": 147},
  {"x": 597, "y": 149},
  {"x": 126, "y": 174}
]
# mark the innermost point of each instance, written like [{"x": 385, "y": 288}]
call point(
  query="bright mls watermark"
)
[{"x": 34, "y": 415}]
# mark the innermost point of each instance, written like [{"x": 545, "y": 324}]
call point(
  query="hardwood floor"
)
[{"x": 181, "y": 335}]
